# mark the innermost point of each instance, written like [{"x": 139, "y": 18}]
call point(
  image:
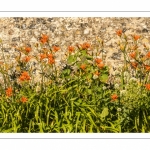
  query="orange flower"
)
[
  {"x": 70, "y": 49},
  {"x": 132, "y": 55},
  {"x": 24, "y": 76},
  {"x": 51, "y": 59},
  {"x": 97, "y": 73},
  {"x": 147, "y": 86},
  {"x": 83, "y": 66},
  {"x": 44, "y": 36},
  {"x": 44, "y": 39},
  {"x": 147, "y": 67},
  {"x": 148, "y": 55},
  {"x": 24, "y": 99},
  {"x": 114, "y": 97},
  {"x": 9, "y": 92},
  {"x": 101, "y": 65},
  {"x": 98, "y": 60},
  {"x": 42, "y": 56},
  {"x": 85, "y": 45},
  {"x": 26, "y": 59},
  {"x": 56, "y": 48},
  {"x": 134, "y": 64},
  {"x": 119, "y": 32},
  {"x": 50, "y": 55},
  {"x": 27, "y": 49},
  {"x": 136, "y": 37}
]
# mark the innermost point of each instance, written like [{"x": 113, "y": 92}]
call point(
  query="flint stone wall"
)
[{"x": 70, "y": 31}]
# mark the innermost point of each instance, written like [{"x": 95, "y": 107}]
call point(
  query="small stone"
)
[
  {"x": 15, "y": 39},
  {"x": 10, "y": 32},
  {"x": 78, "y": 32},
  {"x": 16, "y": 19},
  {"x": 86, "y": 31},
  {"x": 17, "y": 25},
  {"x": 24, "y": 26},
  {"x": 52, "y": 28},
  {"x": 30, "y": 33},
  {"x": 50, "y": 19},
  {"x": 144, "y": 30},
  {"x": 83, "y": 25},
  {"x": 44, "y": 22},
  {"x": 116, "y": 56},
  {"x": 32, "y": 26},
  {"x": 145, "y": 40},
  {"x": 38, "y": 20},
  {"x": 44, "y": 27}
]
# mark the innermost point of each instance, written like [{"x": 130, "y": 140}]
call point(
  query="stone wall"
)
[{"x": 70, "y": 31}]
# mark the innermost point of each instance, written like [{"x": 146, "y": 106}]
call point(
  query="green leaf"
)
[
  {"x": 71, "y": 59},
  {"x": 48, "y": 116},
  {"x": 84, "y": 52},
  {"x": 89, "y": 57},
  {"x": 104, "y": 78},
  {"x": 77, "y": 121},
  {"x": 7, "y": 130},
  {"x": 92, "y": 111},
  {"x": 90, "y": 119},
  {"x": 36, "y": 113},
  {"x": 78, "y": 102},
  {"x": 89, "y": 76},
  {"x": 104, "y": 112},
  {"x": 83, "y": 126},
  {"x": 56, "y": 117},
  {"x": 72, "y": 107},
  {"x": 66, "y": 72},
  {"x": 89, "y": 91},
  {"x": 41, "y": 126},
  {"x": 91, "y": 128},
  {"x": 72, "y": 99}
]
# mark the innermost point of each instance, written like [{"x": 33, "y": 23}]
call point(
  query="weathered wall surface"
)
[{"x": 66, "y": 31}]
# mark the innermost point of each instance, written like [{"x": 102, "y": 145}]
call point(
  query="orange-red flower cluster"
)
[
  {"x": 136, "y": 37},
  {"x": 114, "y": 97},
  {"x": 83, "y": 66},
  {"x": 44, "y": 39},
  {"x": 98, "y": 60},
  {"x": 96, "y": 73},
  {"x": 119, "y": 32},
  {"x": 147, "y": 86},
  {"x": 56, "y": 48},
  {"x": 24, "y": 99},
  {"x": 26, "y": 59},
  {"x": 9, "y": 92},
  {"x": 24, "y": 76},
  {"x": 27, "y": 49},
  {"x": 85, "y": 45},
  {"x": 43, "y": 56},
  {"x": 134, "y": 64},
  {"x": 148, "y": 55},
  {"x": 51, "y": 59},
  {"x": 147, "y": 67},
  {"x": 70, "y": 49},
  {"x": 133, "y": 55},
  {"x": 99, "y": 63}
]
